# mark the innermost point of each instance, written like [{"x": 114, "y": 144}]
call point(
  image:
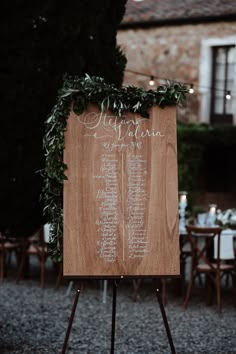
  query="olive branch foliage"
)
[{"x": 77, "y": 94}]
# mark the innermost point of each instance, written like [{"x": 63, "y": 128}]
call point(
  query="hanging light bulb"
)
[
  {"x": 151, "y": 82},
  {"x": 228, "y": 95},
  {"x": 191, "y": 89}
]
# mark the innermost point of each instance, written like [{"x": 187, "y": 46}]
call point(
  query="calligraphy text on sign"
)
[
  {"x": 120, "y": 200},
  {"x": 123, "y": 127}
]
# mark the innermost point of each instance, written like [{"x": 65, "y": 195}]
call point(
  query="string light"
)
[
  {"x": 191, "y": 89},
  {"x": 151, "y": 82},
  {"x": 228, "y": 95}
]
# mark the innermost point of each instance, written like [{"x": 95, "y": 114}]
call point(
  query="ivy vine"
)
[{"x": 80, "y": 92}]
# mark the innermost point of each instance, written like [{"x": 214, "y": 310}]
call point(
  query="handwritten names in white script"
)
[
  {"x": 107, "y": 198},
  {"x": 137, "y": 197}
]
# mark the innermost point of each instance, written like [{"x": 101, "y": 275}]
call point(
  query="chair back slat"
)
[
  {"x": 206, "y": 260},
  {"x": 205, "y": 253}
]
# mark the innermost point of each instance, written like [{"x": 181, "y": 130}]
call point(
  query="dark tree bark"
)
[{"x": 41, "y": 41}]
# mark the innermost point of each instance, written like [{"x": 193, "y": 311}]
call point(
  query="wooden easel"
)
[
  {"x": 157, "y": 284},
  {"x": 122, "y": 183}
]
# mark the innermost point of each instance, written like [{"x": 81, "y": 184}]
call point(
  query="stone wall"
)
[
  {"x": 174, "y": 52},
  {"x": 170, "y": 52}
]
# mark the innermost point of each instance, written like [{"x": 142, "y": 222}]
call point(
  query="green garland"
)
[{"x": 82, "y": 92}]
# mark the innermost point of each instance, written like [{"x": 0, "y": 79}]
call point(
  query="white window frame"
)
[{"x": 205, "y": 76}]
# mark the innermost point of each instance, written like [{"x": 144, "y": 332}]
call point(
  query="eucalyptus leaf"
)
[{"x": 78, "y": 93}]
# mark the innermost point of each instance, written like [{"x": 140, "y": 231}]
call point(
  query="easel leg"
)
[
  {"x": 113, "y": 325},
  {"x": 71, "y": 319},
  {"x": 158, "y": 294}
]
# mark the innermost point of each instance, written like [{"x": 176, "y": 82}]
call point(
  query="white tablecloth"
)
[
  {"x": 226, "y": 244},
  {"x": 46, "y": 232}
]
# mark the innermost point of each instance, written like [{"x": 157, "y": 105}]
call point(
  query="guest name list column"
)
[
  {"x": 107, "y": 199},
  {"x": 137, "y": 197}
]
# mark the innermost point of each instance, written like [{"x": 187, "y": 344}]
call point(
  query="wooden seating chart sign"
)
[{"x": 121, "y": 198}]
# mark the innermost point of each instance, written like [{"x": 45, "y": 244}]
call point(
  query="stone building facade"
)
[
  {"x": 178, "y": 48},
  {"x": 176, "y": 40}
]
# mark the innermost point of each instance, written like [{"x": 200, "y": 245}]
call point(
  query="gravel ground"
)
[{"x": 34, "y": 320}]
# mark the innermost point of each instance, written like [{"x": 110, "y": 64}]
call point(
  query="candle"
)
[
  {"x": 212, "y": 214},
  {"x": 182, "y": 207},
  {"x": 212, "y": 210},
  {"x": 183, "y": 198}
]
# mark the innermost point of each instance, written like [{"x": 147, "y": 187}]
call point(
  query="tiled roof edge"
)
[{"x": 177, "y": 21}]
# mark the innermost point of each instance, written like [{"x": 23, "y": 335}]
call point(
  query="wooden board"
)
[{"x": 121, "y": 198}]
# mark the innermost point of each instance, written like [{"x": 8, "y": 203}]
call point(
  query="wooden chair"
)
[
  {"x": 185, "y": 254},
  {"x": 7, "y": 247},
  {"x": 202, "y": 260},
  {"x": 34, "y": 246}
]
